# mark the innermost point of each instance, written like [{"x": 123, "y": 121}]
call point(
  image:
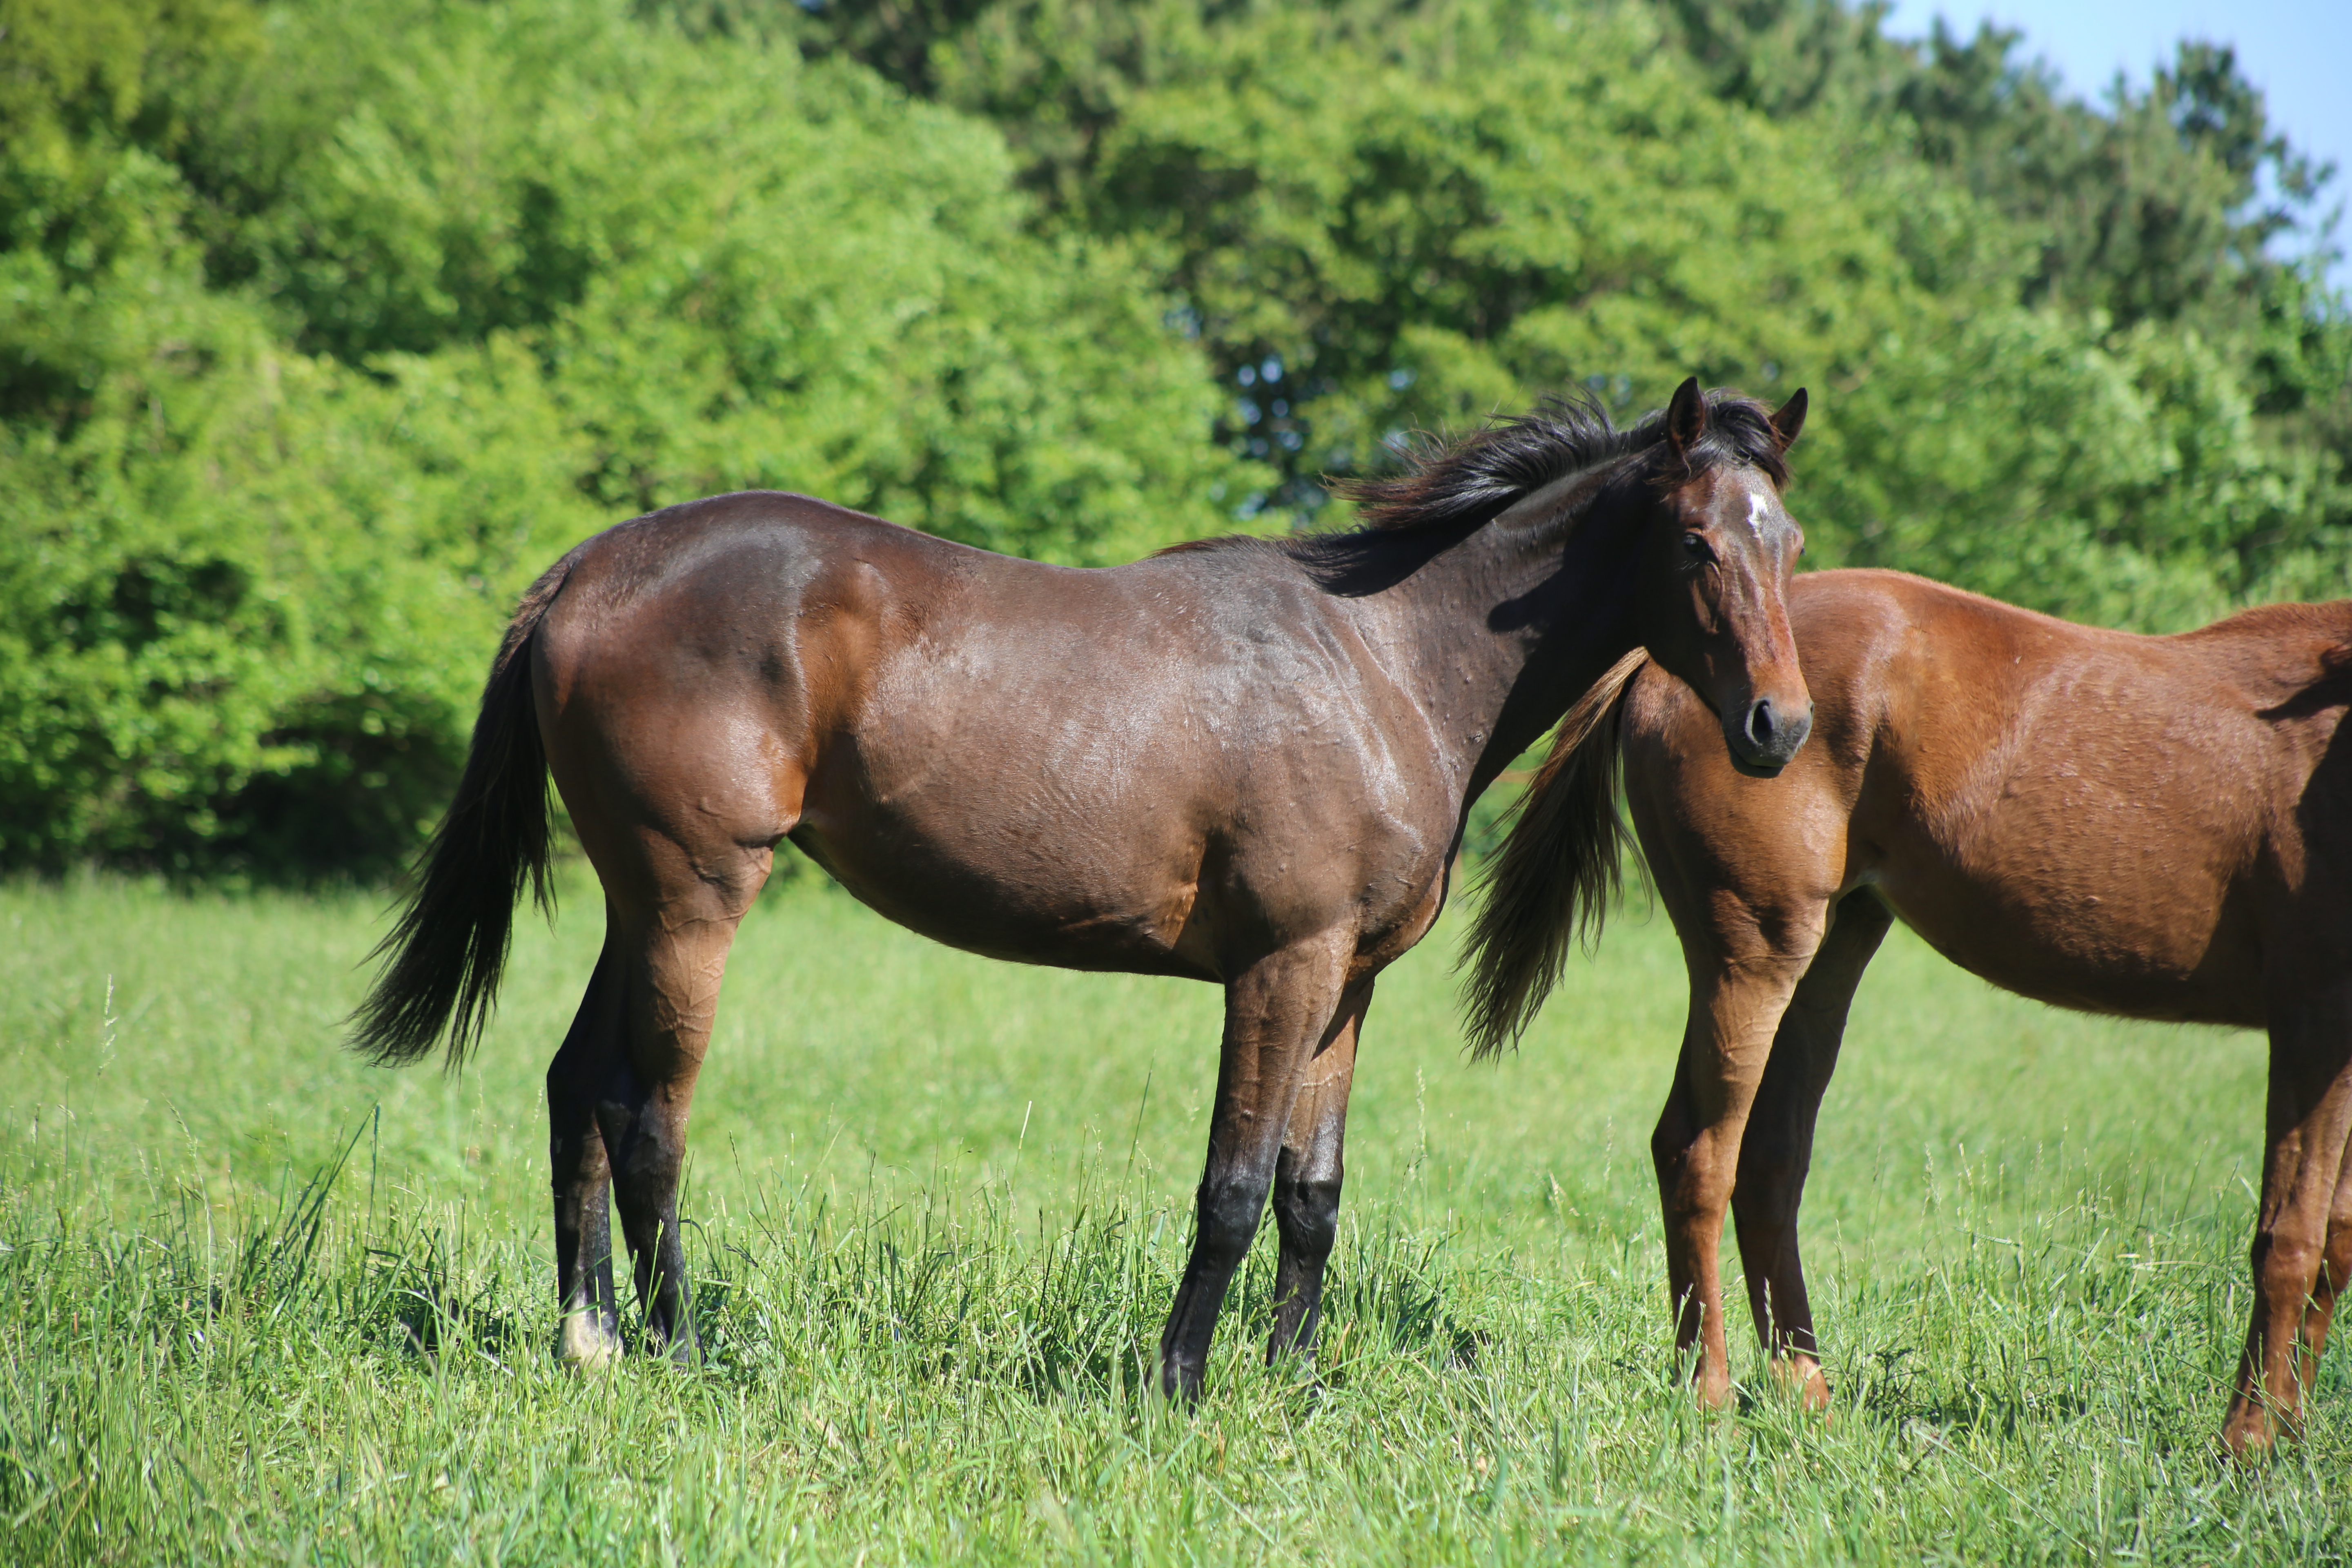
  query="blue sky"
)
[{"x": 2299, "y": 52}]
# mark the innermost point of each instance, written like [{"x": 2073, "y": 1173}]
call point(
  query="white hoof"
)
[{"x": 584, "y": 1346}]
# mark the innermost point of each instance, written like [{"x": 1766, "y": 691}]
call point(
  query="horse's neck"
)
[{"x": 1496, "y": 636}]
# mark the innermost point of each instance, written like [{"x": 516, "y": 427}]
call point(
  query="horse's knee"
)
[
  {"x": 1766, "y": 1235},
  {"x": 2335, "y": 1254},
  {"x": 1764, "y": 1194}
]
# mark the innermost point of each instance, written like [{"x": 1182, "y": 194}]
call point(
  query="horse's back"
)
[
  {"x": 2099, "y": 818},
  {"x": 2104, "y": 820}
]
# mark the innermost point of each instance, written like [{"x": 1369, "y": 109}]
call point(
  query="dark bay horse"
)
[
  {"x": 2157, "y": 828},
  {"x": 1243, "y": 761}
]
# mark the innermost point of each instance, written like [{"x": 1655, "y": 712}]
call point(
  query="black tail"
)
[
  {"x": 451, "y": 942},
  {"x": 1558, "y": 872}
]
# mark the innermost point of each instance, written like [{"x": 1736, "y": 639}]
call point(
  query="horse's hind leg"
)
[
  {"x": 671, "y": 958},
  {"x": 1307, "y": 1177},
  {"x": 2335, "y": 1271},
  {"x": 590, "y": 1332},
  {"x": 1778, "y": 1149},
  {"x": 2309, "y": 1117}
]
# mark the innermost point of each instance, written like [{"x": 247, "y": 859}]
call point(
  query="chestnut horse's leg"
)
[
  {"x": 1276, "y": 1012},
  {"x": 2308, "y": 1116},
  {"x": 589, "y": 1333},
  {"x": 1777, "y": 1150},
  {"x": 2335, "y": 1271},
  {"x": 1735, "y": 1011},
  {"x": 1307, "y": 1177}
]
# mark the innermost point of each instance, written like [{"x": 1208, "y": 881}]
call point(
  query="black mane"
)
[
  {"x": 1467, "y": 482},
  {"x": 1451, "y": 488}
]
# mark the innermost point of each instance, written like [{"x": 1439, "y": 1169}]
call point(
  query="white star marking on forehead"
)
[{"x": 1756, "y": 511}]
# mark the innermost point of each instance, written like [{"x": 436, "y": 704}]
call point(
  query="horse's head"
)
[{"x": 1721, "y": 548}]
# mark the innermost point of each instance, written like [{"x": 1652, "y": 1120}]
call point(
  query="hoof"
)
[
  {"x": 2251, "y": 1441},
  {"x": 685, "y": 1352},
  {"x": 1714, "y": 1393},
  {"x": 1802, "y": 1376},
  {"x": 1181, "y": 1384},
  {"x": 583, "y": 1344},
  {"x": 2253, "y": 1427},
  {"x": 1295, "y": 1351}
]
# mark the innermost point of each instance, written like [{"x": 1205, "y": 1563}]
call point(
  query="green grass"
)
[{"x": 939, "y": 1205}]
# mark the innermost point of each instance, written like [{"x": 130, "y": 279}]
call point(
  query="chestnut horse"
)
[
  {"x": 1243, "y": 761},
  {"x": 2151, "y": 827}
]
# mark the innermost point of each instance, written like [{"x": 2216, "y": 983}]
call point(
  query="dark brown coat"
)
[{"x": 1246, "y": 761}]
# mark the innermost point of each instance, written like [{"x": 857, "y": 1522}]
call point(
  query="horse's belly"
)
[
  {"x": 1017, "y": 891},
  {"x": 2179, "y": 956}
]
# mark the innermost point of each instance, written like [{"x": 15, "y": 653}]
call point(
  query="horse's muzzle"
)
[{"x": 1768, "y": 735}]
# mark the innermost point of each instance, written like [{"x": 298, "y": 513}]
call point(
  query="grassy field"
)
[{"x": 262, "y": 1302}]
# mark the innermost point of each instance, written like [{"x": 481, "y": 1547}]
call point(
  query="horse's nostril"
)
[{"x": 1760, "y": 723}]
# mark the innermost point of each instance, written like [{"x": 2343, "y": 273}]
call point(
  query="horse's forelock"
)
[{"x": 1739, "y": 435}]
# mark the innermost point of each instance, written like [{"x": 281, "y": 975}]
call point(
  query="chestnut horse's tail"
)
[
  {"x": 1557, "y": 873},
  {"x": 450, "y": 944}
]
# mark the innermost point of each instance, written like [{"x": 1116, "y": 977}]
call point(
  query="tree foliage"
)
[
  {"x": 308, "y": 370},
  {"x": 323, "y": 328},
  {"x": 2060, "y": 357}
]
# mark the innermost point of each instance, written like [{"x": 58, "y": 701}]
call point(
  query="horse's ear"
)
[
  {"x": 1789, "y": 419},
  {"x": 1687, "y": 416}
]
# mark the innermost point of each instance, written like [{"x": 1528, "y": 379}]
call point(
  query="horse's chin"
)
[{"x": 1756, "y": 770}]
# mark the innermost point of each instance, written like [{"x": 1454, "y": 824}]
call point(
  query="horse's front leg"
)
[
  {"x": 1778, "y": 1148},
  {"x": 1307, "y": 1177},
  {"x": 2334, "y": 1271},
  {"x": 1276, "y": 1012},
  {"x": 1729, "y": 1039}
]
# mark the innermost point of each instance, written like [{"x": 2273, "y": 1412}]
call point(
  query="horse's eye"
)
[{"x": 1697, "y": 546}]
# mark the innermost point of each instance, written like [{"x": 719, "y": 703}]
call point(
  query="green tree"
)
[
  {"x": 322, "y": 328},
  {"x": 2056, "y": 357},
  {"x": 387, "y": 330}
]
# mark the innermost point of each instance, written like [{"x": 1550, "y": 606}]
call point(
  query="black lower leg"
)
[
  {"x": 588, "y": 1330},
  {"x": 1306, "y": 1216},
  {"x": 648, "y": 1158},
  {"x": 1228, "y": 1214}
]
